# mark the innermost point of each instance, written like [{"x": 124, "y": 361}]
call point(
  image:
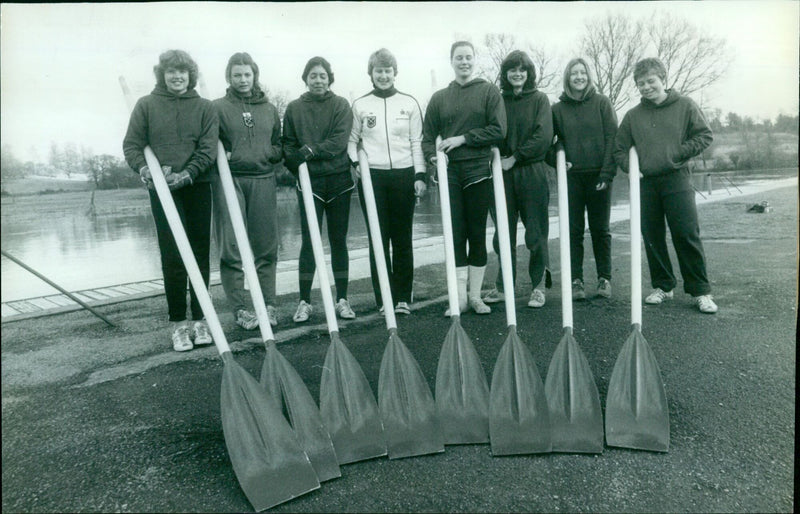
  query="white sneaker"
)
[
  {"x": 537, "y": 299},
  {"x": 706, "y": 304},
  {"x": 343, "y": 309},
  {"x": 246, "y": 319},
  {"x": 303, "y": 312},
  {"x": 200, "y": 334},
  {"x": 402, "y": 308},
  {"x": 272, "y": 315},
  {"x": 181, "y": 342},
  {"x": 478, "y": 306},
  {"x": 604, "y": 288},
  {"x": 658, "y": 296},
  {"x": 494, "y": 296}
]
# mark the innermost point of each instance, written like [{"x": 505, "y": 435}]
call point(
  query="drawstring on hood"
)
[{"x": 256, "y": 97}]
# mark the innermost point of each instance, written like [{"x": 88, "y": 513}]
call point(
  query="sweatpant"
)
[
  {"x": 584, "y": 197},
  {"x": 258, "y": 204},
  {"x": 394, "y": 200},
  {"x": 469, "y": 207},
  {"x": 671, "y": 197},
  {"x": 527, "y": 198},
  {"x": 193, "y": 203},
  {"x": 332, "y": 199}
]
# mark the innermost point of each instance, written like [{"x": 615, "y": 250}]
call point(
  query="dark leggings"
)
[
  {"x": 194, "y": 208},
  {"x": 583, "y": 196},
  {"x": 469, "y": 207}
]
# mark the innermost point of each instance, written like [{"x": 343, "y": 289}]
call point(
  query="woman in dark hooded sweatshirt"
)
[
  {"x": 182, "y": 130},
  {"x": 316, "y": 129},
  {"x": 469, "y": 116},
  {"x": 585, "y": 124},
  {"x": 530, "y": 135}
]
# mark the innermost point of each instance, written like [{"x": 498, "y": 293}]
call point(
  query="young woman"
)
[
  {"x": 182, "y": 130},
  {"x": 530, "y": 135},
  {"x": 250, "y": 130},
  {"x": 388, "y": 125},
  {"x": 316, "y": 130},
  {"x": 585, "y": 124},
  {"x": 469, "y": 116}
]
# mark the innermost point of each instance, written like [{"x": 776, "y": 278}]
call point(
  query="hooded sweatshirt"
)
[
  {"x": 323, "y": 123},
  {"x": 254, "y": 149},
  {"x": 666, "y": 135},
  {"x": 530, "y": 126},
  {"x": 586, "y": 127},
  {"x": 474, "y": 110},
  {"x": 182, "y": 130}
]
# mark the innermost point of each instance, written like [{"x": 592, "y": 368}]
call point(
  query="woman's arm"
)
[
  {"x": 494, "y": 131},
  {"x": 609, "y": 168},
  {"x": 698, "y": 133},
  {"x": 136, "y": 137},
  {"x": 534, "y": 148},
  {"x": 205, "y": 152}
]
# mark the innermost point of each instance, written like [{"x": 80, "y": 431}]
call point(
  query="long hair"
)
[
  {"x": 243, "y": 59},
  {"x": 179, "y": 60},
  {"x": 590, "y": 81},
  {"x": 318, "y": 61},
  {"x": 517, "y": 58}
]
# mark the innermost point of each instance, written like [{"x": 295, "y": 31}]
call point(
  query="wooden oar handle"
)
[
  {"x": 503, "y": 235},
  {"x": 447, "y": 230},
  {"x": 316, "y": 246},
  {"x": 377, "y": 240},
  {"x": 243, "y": 242},
  {"x": 563, "y": 239},
  {"x": 636, "y": 241}
]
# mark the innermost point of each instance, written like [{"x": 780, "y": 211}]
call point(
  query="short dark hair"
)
[
  {"x": 382, "y": 58},
  {"x": 650, "y": 65},
  {"x": 243, "y": 59},
  {"x": 514, "y": 59},
  {"x": 179, "y": 60},
  {"x": 458, "y": 44},
  {"x": 317, "y": 61}
]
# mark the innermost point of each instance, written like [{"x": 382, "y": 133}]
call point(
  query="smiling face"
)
[
  {"x": 242, "y": 79},
  {"x": 578, "y": 78},
  {"x": 318, "y": 81},
  {"x": 463, "y": 62},
  {"x": 652, "y": 87},
  {"x": 383, "y": 77},
  {"x": 177, "y": 81},
  {"x": 517, "y": 77}
]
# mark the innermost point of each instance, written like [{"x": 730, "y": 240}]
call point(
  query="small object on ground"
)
[
  {"x": 493, "y": 296},
  {"x": 578, "y": 292},
  {"x": 303, "y": 312},
  {"x": 760, "y": 207},
  {"x": 200, "y": 334},
  {"x": 706, "y": 304},
  {"x": 272, "y": 315},
  {"x": 537, "y": 299},
  {"x": 604, "y": 288},
  {"x": 344, "y": 310},
  {"x": 246, "y": 319},
  {"x": 657, "y": 296},
  {"x": 181, "y": 341}
]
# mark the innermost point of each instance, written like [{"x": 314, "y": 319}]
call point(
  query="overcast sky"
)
[{"x": 61, "y": 62}]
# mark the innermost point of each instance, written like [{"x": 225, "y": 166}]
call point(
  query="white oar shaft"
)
[
  {"x": 447, "y": 230},
  {"x": 377, "y": 240},
  {"x": 316, "y": 245},
  {"x": 636, "y": 241},
  {"x": 563, "y": 239},
  {"x": 504, "y": 236},
  {"x": 243, "y": 242}
]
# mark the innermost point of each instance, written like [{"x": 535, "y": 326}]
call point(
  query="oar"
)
[
  {"x": 637, "y": 415},
  {"x": 59, "y": 288},
  {"x": 346, "y": 402},
  {"x": 278, "y": 376},
  {"x": 462, "y": 393},
  {"x": 404, "y": 397},
  {"x": 518, "y": 417},
  {"x": 572, "y": 397}
]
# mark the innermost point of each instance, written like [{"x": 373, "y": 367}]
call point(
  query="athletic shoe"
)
[
  {"x": 180, "y": 338},
  {"x": 272, "y": 315},
  {"x": 303, "y": 312},
  {"x": 706, "y": 304},
  {"x": 494, "y": 296},
  {"x": 658, "y": 296},
  {"x": 478, "y": 306},
  {"x": 343, "y": 309},
  {"x": 246, "y": 319},
  {"x": 200, "y": 334},
  {"x": 577, "y": 290},
  {"x": 537, "y": 299},
  {"x": 604, "y": 288},
  {"x": 402, "y": 308}
]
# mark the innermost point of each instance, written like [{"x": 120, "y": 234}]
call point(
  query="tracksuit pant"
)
[{"x": 584, "y": 198}]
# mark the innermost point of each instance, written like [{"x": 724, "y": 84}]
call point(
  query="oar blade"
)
[
  {"x": 264, "y": 451},
  {"x": 406, "y": 404},
  {"x": 288, "y": 390},
  {"x": 574, "y": 403},
  {"x": 637, "y": 415},
  {"x": 348, "y": 407},
  {"x": 462, "y": 393},
  {"x": 518, "y": 416}
]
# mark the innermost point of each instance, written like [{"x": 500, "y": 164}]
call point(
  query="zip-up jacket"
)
[
  {"x": 530, "y": 126},
  {"x": 255, "y": 146},
  {"x": 323, "y": 124},
  {"x": 587, "y": 129},
  {"x": 388, "y": 124},
  {"x": 182, "y": 130},
  {"x": 666, "y": 135}
]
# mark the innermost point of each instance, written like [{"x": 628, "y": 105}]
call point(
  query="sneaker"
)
[
  {"x": 604, "y": 288},
  {"x": 577, "y": 290},
  {"x": 246, "y": 319},
  {"x": 343, "y": 309},
  {"x": 477, "y": 305},
  {"x": 303, "y": 312},
  {"x": 494, "y": 296},
  {"x": 658, "y": 296},
  {"x": 402, "y": 308},
  {"x": 200, "y": 334},
  {"x": 537, "y": 299},
  {"x": 706, "y": 304},
  {"x": 272, "y": 315},
  {"x": 180, "y": 338}
]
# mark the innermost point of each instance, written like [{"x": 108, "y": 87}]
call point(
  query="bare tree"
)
[
  {"x": 498, "y": 45},
  {"x": 280, "y": 99}
]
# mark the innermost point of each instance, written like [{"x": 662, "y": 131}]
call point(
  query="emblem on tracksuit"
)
[{"x": 371, "y": 121}]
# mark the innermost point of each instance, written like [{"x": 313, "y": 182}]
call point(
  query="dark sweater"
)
[
  {"x": 586, "y": 129},
  {"x": 182, "y": 131},
  {"x": 254, "y": 150},
  {"x": 324, "y": 124},
  {"x": 666, "y": 135},
  {"x": 530, "y": 126},
  {"x": 474, "y": 110}
]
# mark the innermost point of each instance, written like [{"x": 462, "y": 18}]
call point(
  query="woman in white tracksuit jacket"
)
[{"x": 387, "y": 124}]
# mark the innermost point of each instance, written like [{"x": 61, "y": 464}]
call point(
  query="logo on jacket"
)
[{"x": 371, "y": 121}]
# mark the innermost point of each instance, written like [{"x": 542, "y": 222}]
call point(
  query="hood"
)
[
  {"x": 570, "y": 96},
  {"x": 258, "y": 97},
  {"x": 308, "y": 97},
  {"x": 672, "y": 97},
  {"x": 160, "y": 91},
  {"x": 471, "y": 83},
  {"x": 508, "y": 93}
]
